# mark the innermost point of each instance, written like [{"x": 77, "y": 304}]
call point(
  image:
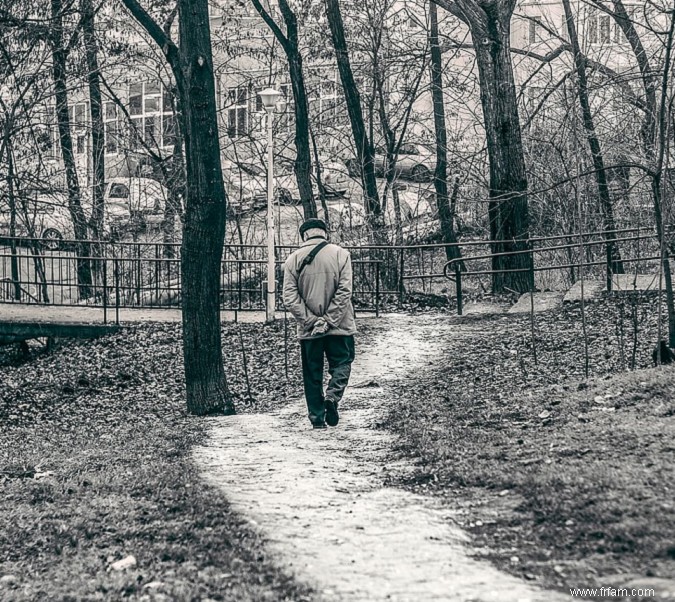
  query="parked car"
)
[
  {"x": 415, "y": 161},
  {"x": 129, "y": 203},
  {"x": 144, "y": 198},
  {"x": 47, "y": 217},
  {"x": 246, "y": 183},
  {"x": 334, "y": 179}
]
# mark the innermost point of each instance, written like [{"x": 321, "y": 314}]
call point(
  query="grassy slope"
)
[
  {"x": 569, "y": 483},
  {"x": 106, "y": 422}
]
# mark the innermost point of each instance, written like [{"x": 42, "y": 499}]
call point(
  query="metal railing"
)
[
  {"x": 148, "y": 275},
  {"x": 642, "y": 252}
]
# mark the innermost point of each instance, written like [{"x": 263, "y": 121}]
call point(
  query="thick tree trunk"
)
[
  {"x": 364, "y": 147},
  {"x": 204, "y": 228},
  {"x": 606, "y": 208},
  {"x": 96, "y": 104},
  {"x": 59, "y": 74},
  {"x": 508, "y": 208},
  {"x": 445, "y": 211},
  {"x": 204, "y": 224}
]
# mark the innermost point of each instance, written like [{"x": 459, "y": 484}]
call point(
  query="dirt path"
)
[{"x": 318, "y": 499}]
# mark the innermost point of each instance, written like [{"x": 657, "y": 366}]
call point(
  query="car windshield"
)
[
  {"x": 251, "y": 169},
  {"x": 119, "y": 191}
]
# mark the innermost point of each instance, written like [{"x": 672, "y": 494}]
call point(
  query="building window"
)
[
  {"x": 152, "y": 115},
  {"x": 601, "y": 28},
  {"x": 48, "y": 138},
  {"x": 536, "y": 30},
  {"x": 328, "y": 101},
  {"x": 324, "y": 101},
  {"x": 237, "y": 112},
  {"x": 111, "y": 127},
  {"x": 136, "y": 99},
  {"x": 78, "y": 116}
]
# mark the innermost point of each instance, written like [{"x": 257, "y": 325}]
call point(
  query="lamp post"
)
[{"x": 269, "y": 101}]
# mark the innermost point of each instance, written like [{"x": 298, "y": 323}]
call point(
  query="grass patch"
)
[
  {"x": 95, "y": 466},
  {"x": 558, "y": 479}
]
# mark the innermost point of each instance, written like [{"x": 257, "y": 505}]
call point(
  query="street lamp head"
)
[{"x": 269, "y": 98}]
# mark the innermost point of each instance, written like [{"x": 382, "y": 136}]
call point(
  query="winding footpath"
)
[{"x": 318, "y": 499}]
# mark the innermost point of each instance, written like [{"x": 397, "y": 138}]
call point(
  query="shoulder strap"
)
[{"x": 311, "y": 255}]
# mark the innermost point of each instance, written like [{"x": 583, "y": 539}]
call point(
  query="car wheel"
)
[
  {"x": 52, "y": 239},
  {"x": 421, "y": 173},
  {"x": 283, "y": 196},
  {"x": 353, "y": 168}
]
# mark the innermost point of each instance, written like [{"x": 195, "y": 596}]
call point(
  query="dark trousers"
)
[{"x": 339, "y": 351}]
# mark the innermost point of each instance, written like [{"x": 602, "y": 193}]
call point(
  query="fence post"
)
[
  {"x": 156, "y": 273},
  {"x": 105, "y": 290},
  {"x": 138, "y": 273},
  {"x": 608, "y": 253},
  {"x": 377, "y": 289},
  {"x": 116, "y": 269},
  {"x": 458, "y": 281},
  {"x": 401, "y": 266}
]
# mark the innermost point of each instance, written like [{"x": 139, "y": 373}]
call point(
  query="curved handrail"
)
[{"x": 452, "y": 262}]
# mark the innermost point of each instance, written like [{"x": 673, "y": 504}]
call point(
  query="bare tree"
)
[
  {"x": 364, "y": 146},
  {"x": 613, "y": 256},
  {"x": 60, "y": 49},
  {"x": 191, "y": 62},
  {"x": 291, "y": 44},
  {"x": 490, "y": 24},
  {"x": 96, "y": 112},
  {"x": 445, "y": 210}
]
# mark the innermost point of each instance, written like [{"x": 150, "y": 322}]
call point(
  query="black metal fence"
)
[
  {"x": 147, "y": 275},
  {"x": 559, "y": 261}
]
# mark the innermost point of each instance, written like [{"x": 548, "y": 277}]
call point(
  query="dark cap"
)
[{"x": 313, "y": 222}]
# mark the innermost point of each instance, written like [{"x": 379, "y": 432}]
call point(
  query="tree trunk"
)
[
  {"x": 445, "y": 212},
  {"x": 649, "y": 143},
  {"x": 303, "y": 163},
  {"x": 204, "y": 229},
  {"x": 96, "y": 103},
  {"x": 59, "y": 74},
  {"x": 14, "y": 260},
  {"x": 319, "y": 180},
  {"x": 364, "y": 147},
  {"x": 508, "y": 209},
  {"x": 613, "y": 256},
  {"x": 657, "y": 181},
  {"x": 291, "y": 45}
]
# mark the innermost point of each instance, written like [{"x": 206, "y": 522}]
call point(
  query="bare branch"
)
[
  {"x": 272, "y": 24},
  {"x": 165, "y": 43}
]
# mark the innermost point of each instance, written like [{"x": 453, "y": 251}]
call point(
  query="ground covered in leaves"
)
[
  {"x": 96, "y": 473},
  {"x": 559, "y": 478}
]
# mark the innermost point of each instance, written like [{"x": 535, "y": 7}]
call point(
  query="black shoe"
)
[
  {"x": 319, "y": 425},
  {"x": 332, "y": 416}
]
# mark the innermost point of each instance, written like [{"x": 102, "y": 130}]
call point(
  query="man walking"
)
[{"x": 318, "y": 293}]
